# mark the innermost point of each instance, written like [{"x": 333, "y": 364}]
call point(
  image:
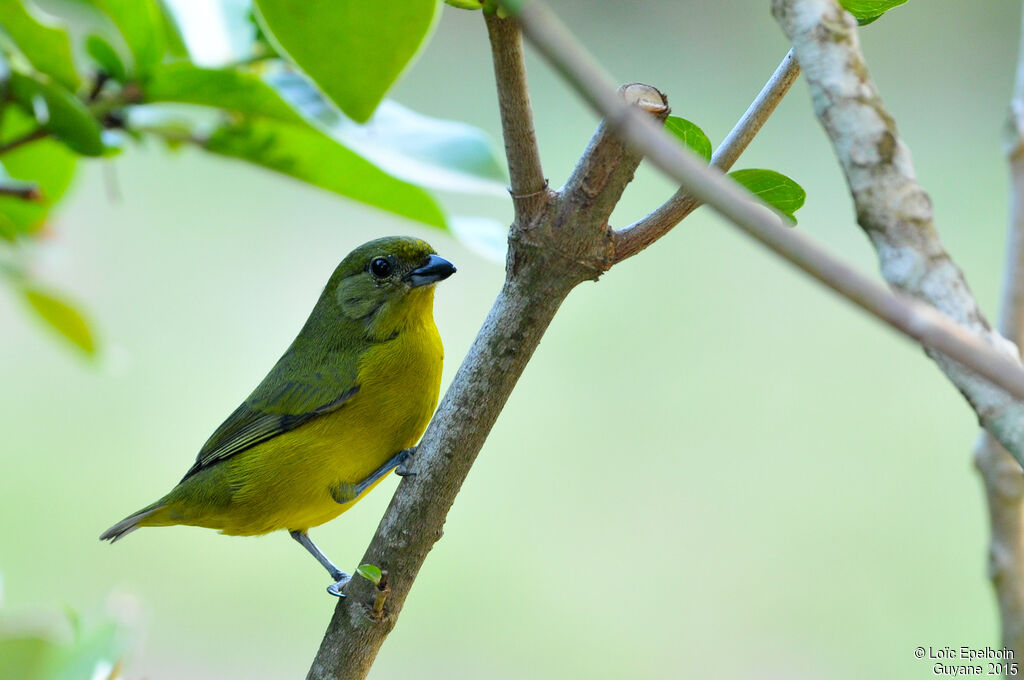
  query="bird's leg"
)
[
  {"x": 340, "y": 577},
  {"x": 396, "y": 462}
]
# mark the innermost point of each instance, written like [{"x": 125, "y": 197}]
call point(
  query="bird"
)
[{"x": 343, "y": 406}]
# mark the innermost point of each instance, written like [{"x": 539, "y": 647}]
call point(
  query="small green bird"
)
[{"x": 342, "y": 408}]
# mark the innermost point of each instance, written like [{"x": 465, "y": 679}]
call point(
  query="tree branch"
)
[
  {"x": 892, "y": 208},
  {"x": 1004, "y": 484},
  {"x": 38, "y": 133},
  {"x": 632, "y": 239},
  {"x": 550, "y": 252},
  {"x": 528, "y": 187},
  {"x": 1003, "y": 415},
  {"x": 26, "y": 191}
]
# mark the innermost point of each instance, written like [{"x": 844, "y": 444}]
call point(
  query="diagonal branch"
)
[
  {"x": 1004, "y": 485},
  {"x": 892, "y": 208},
  {"x": 632, "y": 239},
  {"x": 995, "y": 366},
  {"x": 528, "y": 186}
]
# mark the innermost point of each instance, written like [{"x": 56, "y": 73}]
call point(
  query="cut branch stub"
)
[{"x": 576, "y": 224}]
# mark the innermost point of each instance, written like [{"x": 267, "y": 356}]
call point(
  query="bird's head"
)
[{"x": 388, "y": 283}]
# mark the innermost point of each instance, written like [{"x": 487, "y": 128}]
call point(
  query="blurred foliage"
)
[
  {"x": 27, "y": 653},
  {"x": 89, "y": 76}
]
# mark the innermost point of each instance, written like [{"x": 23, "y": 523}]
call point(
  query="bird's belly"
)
[{"x": 285, "y": 483}]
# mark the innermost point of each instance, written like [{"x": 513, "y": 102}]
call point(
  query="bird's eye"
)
[{"x": 380, "y": 268}]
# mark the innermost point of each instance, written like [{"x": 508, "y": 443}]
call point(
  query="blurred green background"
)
[{"x": 711, "y": 468}]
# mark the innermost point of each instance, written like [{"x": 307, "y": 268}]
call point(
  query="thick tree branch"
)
[
  {"x": 550, "y": 252},
  {"x": 892, "y": 208},
  {"x": 1004, "y": 484},
  {"x": 925, "y": 324},
  {"x": 632, "y": 239},
  {"x": 528, "y": 186}
]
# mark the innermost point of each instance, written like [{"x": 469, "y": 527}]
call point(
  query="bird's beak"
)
[{"x": 435, "y": 269}]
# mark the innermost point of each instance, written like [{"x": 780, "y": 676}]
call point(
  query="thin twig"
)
[
  {"x": 919, "y": 321},
  {"x": 1004, "y": 484},
  {"x": 37, "y": 134},
  {"x": 27, "y": 192},
  {"x": 528, "y": 186},
  {"x": 632, "y": 239}
]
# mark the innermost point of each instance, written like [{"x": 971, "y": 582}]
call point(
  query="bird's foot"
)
[
  {"x": 403, "y": 463},
  {"x": 335, "y": 588}
]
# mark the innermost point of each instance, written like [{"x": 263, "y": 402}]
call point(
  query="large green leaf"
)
[
  {"x": 45, "y": 45},
  {"x": 355, "y": 50},
  {"x": 59, "y": 112},
  {"x": 773, "y": 188},
  {"x": 866, "y": 11},
  {"x": 46, "y": 162},
  {"x": 310, "y": 155},
  {"x": 142, "y": 25},
  {"x": 431, "y": 152},
  {"x": 690, "y": 134},
  {"x": 61, "y": 316},
  {"x": 229, "y": 89}
]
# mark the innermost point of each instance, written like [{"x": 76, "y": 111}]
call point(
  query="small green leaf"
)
[
  {"x": 106, "y": 56},
  {"x": 233, "y": 90},
  {"x": 310, "y": 155},
  {"x": 773, "y": 188},
  {"x": 466, "y": 4},
  {"x": 45, "y": 45},
  {"x": 355, "y": 50},
  {"x": 47, "y": 163},
  {"x": 61, "y": 316},
  {"x": 691, "y": 135},
  {"x": 59, "y": 112},
  {"x": 141, "y": 24},
  {"x": 866, "y": 11},
  {"x": 370, "y": 572}
]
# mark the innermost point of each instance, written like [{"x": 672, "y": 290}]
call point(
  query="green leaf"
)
[
  {"x": 237, "y": 91},
  {"x": 106, "y": 56},
  {"x": 45, "y": 45},
  {"x": 370, "y": 572},
  {"x": 866, "y": 11},
  {"x": 59, "y": 112},
  {"x": 691, "y": 135},
  {"x": 773, "y": 188},
  {"x": 430, "y": 152},
  {"x": 46, "y": 162},
  {"x": 61, "y": 317},
  {"x": 307, "y": 154},
  {"x": 141, "y": 24},
  {"x": 466, "y": 4},
  {"x": 355, "y": 50}
]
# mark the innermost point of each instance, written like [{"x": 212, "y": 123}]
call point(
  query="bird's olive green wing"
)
[{"x": 292, "y": 394}]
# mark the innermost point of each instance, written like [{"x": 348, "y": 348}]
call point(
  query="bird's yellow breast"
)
[{"x": 285, "y": 482}]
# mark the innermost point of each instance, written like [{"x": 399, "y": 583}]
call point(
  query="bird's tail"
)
[{"x": 130, "y": 523}]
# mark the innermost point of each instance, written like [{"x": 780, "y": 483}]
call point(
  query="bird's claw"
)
[
  {"x": 402, "y": 470},
  {"x": 335, "y": 588}
]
